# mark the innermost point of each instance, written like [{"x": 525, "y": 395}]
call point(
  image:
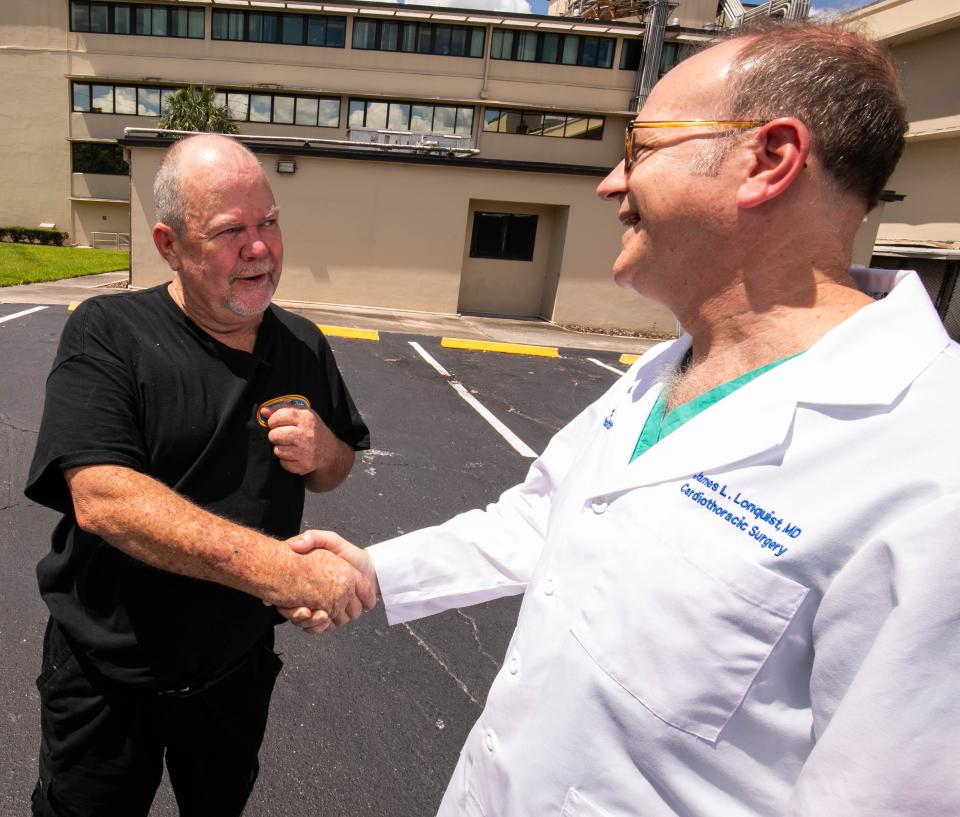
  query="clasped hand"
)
[
  {"x": 333, "y": 546},
  {"x": 300, "y": 439}
]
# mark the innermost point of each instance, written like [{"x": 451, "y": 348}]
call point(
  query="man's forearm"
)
[
  {"x": 150, "y": 522},
  {"x": 333, "y": 472}
]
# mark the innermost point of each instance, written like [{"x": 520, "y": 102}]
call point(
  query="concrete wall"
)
[
  {"x": 34, "y": 151},
  {"x": 929, "y": 176},
  {"x": 508, "y": 287},
  {"x": 362, "y": 232},
  {"x": 924, "y": 37},
  {"x": 90, "y": 217},
  {"x": 385, "y": 234}
]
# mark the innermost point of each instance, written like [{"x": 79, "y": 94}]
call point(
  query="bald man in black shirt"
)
[{"x": 181, "y": 427}]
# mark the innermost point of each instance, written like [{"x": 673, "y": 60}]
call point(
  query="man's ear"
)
[
  {"x": 168, "y": 244},
  {"x": 780, "y": 153}
]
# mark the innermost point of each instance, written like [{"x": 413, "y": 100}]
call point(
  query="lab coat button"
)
[
  {"x": 548, "y": 587},
  {"x": 489, "y": 741},
  {"x": 514, "y": 664},
  {"x": 599, "y": 504}
]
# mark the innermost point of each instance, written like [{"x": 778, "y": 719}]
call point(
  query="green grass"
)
[{"x": 30, "y": 263}]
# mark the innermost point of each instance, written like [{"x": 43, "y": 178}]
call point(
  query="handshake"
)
[{"x": 325, "y": 571}]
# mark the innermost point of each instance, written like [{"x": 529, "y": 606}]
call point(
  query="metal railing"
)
[
  {"x": 443, "y": 144},
  {"x": 411, "y": 139},
  {"x": 115, "y": 241}
]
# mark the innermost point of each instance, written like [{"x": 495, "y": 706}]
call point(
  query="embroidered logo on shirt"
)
[
  {"x": 297, "y": 401},
  {"x": 608, "y": 420}
]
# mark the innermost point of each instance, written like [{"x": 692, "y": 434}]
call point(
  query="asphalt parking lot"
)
[{"x": 367, "y": 720}]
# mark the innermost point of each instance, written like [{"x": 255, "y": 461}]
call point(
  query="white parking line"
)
[
  {"x": 21, "y": 314},
  {"x": 518, "y": 445},
  {"x": 605, "y": 366}
]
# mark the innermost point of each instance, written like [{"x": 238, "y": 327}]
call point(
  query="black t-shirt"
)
[{"x": 136, "y": 383}]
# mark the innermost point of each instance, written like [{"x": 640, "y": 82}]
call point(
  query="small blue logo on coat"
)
[{"x": 608, "y": 420}]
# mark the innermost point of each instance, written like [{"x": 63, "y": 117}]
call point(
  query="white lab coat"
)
[{"x": 759, "y": 616}]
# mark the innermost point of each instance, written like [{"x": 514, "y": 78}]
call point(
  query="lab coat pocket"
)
[
  {"x": 684, "y": 629},
  {"x": 576, "y": 805}
]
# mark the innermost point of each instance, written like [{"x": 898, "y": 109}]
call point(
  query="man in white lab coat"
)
[{"x": 739, "y": 566}]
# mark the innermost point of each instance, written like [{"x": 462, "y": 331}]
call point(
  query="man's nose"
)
[
  {"x": 614, "y": 186},
  {"x": 254, "y": 246}
]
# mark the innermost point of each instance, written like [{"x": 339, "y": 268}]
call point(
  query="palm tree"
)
[{"x": 194, "y": 109}]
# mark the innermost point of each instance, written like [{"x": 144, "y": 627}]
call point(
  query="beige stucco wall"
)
[
  {"x": 508, "y": 287},
  {"x": 896, "y": 21},
  {"x": 100, "y": 186},
  {"x": 924, "y": 37},
  {"x": 346, "y": 71},
  {"x": 929, "y": 176},
  {"x": 605, "y": 152},
  {"x": 34, "y": 152},
  {"x": 389, "y": 234},
  {"x": 91, "y": 217},
  {"x": 929, "y": 68}
]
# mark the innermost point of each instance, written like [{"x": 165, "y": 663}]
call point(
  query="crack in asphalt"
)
[
  {"x": 426, "y": 647},
  {"x": 5, "y": 423},
  {"x": 476, "y": 637}
]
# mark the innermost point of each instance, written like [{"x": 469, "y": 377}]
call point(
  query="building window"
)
[
  {"x": 278, "y": 109},
  {"x": 631, "y": 55},
  {"x": 410, "y": 116},
  {"x": 132, "y": 100},
  {"x": 670, "y": 56},
  {"x": 275, "y": 27},
  {"x": 540, "y": 123},
  {"x": 135, "y": 18},
  {"x": 97, "y": 157},
  {"x": 418, "y": 38},
  {"x": 503, "y": 235},
  {"x": 281, "y": 109},
  {"x": 558, "y": 49}
]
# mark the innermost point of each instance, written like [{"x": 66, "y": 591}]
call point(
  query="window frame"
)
[
  {"x": 246, "y": 24},
  {"x": 272, "y": 95},
  {"x": 423, "y": 35},
  {"x": 507, "y": 219},
  {"x": 519, "y": 41},
  {"x": 82, "y": 143},
  {"x": 411, "y": 104},
  {"x": 523, "y": 113},
  {"x": 150, "y": 9}
]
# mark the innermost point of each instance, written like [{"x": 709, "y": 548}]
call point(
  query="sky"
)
[{"x": 540, "y": 6}]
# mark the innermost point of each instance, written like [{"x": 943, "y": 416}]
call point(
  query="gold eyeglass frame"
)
[{"x": 678, "y": 123}]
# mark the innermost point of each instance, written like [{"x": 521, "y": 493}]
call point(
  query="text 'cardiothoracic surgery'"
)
[{"x": 746, "y": 511}]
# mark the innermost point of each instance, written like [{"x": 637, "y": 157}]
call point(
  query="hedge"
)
[{"x": 33, "y": 235}]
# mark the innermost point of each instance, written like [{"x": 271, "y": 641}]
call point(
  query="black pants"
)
[{"x": 103, "y": 745}]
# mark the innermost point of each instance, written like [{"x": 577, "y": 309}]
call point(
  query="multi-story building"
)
[
  {"x": 921, "y": 230},
  {"x": 431, "y": 159},
  {"x": 423, "y": 158}
]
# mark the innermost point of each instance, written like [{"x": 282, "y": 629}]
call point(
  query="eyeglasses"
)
[{"x": 629, "y": 155}]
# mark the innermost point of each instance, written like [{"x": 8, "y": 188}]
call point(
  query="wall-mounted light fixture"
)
[{"x": 286, "y": 166}]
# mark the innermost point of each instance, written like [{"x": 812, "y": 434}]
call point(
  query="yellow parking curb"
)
[
  {"x": 346, "y": 332},
  {"x": 73, "y": 306},
  {"x": 629, "y": 360},
  {"x": 507, "y": 348}
]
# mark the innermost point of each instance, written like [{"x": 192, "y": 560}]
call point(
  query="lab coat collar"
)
[
  {"x": 874, "y": 355},
  {"x": 868, "y": 360}
]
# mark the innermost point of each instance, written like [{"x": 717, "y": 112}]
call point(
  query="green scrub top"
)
[{"x": 659, "y": 424}]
